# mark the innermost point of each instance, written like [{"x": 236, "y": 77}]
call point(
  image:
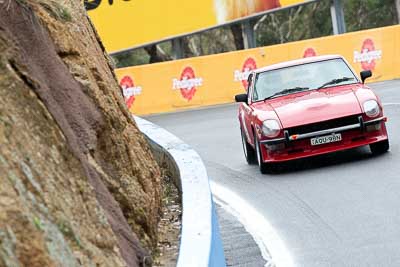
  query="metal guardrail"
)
[{"x": 200, "y": 243}]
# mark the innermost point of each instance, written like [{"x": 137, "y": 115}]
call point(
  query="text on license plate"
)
[{"x": 326, "y": 139}]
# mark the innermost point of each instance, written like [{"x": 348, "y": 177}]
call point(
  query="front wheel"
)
[
  {"x": 379, "y": 147},
  {"x": 264, "y": 167},
  {"x": 248, "y": 151}
]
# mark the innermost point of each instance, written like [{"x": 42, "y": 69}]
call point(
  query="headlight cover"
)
[
  {"x": 271, "y": 128},
  {"x": 371, "y": 108}
]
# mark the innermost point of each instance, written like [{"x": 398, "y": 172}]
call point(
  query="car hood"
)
[{"x": 316, "y": 105}]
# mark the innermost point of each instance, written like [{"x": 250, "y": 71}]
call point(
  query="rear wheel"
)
[
  {"x": 264, "y": 167},
  {"x": 379, "y": 147},
  {"x": 248, "y": 150}
]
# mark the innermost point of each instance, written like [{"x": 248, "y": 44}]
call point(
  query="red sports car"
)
[{"x": 309, "y": 107}]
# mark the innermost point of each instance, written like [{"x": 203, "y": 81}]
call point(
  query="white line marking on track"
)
[
  {"x": 270, "y": 244},
  {"x": 391, "y": 104}
]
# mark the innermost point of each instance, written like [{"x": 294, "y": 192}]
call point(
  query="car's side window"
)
[
  {"x": 254, "y": 91},
  {"x": 249, "y": 81}
]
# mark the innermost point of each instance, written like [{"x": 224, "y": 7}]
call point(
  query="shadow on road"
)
[{"x": 335, "y": 159}]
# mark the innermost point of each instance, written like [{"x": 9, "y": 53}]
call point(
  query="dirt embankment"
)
[{"x": 78, "y": 184}]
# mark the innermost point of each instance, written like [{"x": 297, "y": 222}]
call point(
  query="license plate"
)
[{"x": 326, "y": 139}]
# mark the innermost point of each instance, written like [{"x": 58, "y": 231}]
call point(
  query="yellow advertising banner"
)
[
  {"x": 210, "y": 80},
  {"x": 124, "y": 24}
]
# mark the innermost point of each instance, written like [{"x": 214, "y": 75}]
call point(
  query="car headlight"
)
[
  {"x": 271, "y": 128},
  {"x": 371, "y": 108}
]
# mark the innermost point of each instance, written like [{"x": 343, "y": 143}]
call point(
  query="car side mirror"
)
[
  {"x": 241, "y": 98},
  {"x": 365, "y": 74}
]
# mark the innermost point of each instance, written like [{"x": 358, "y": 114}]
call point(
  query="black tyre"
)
[
  {"x": 264, "y": 167},
  {"x": 379, "y": 147},
  {"x": 248, "y": 150}
]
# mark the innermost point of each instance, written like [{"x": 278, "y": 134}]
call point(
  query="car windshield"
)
[{"x": 303, "y": 77}]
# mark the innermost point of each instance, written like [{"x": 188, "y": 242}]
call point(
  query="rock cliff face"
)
[{"x": 78, "y": 184}]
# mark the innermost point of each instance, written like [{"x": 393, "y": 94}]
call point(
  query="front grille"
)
[{"x": 324, "y": 125}]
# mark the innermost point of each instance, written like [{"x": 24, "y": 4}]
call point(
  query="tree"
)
[
  {"x": 156, "y": 54},
  {"x": 237, "y": 33},
  {"x": 298, "y": 23},
  {"x": 367, "y": 14}
]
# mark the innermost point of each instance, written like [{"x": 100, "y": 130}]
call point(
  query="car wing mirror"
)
[
  {"x": 365, "y": 74},
  {"x": 241, "y": 98}
]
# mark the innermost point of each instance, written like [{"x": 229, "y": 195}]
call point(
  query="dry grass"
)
[{"x": 56, "y": 10}]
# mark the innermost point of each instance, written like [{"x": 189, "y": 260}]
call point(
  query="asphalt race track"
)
[{"x": 341, "y": 209}]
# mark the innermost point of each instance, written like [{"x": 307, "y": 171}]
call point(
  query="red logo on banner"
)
[
  {"x": 309, "y": 52},
  {"x": 129, "y": 90},
  {"x": 368, "y": 55},
  {"x": 241, "y": 76},
  {"x": 187, "y": 83}
]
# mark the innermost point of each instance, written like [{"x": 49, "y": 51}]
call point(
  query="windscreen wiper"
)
[
  {"x": 336, "y": 81},
  {"x": 287, "y": 91}
]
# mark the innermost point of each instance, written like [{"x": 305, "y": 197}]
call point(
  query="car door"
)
[{"x": 246, "y": 112}]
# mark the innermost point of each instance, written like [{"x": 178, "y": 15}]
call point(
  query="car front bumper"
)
[{"x": 299, "y": 146}]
